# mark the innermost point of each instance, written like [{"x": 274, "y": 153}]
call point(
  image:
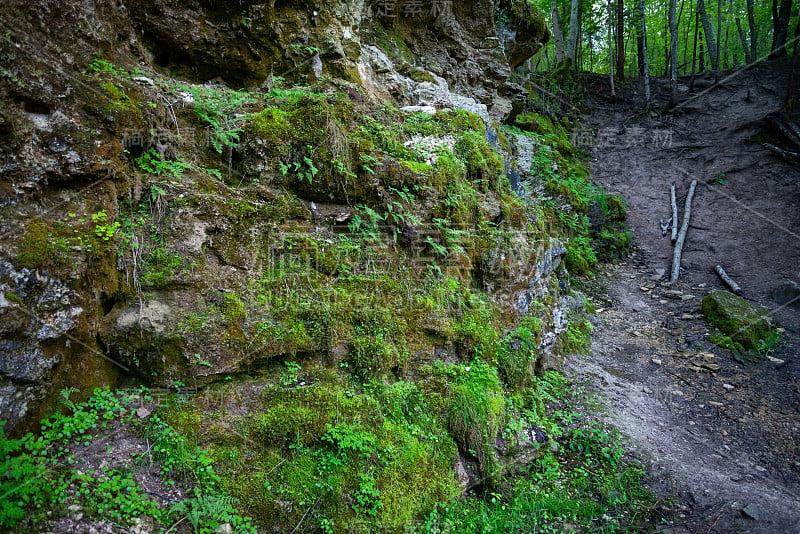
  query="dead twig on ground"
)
[
  {"x": 728, "y": 280},
  {"x": 687, "y": 213}
]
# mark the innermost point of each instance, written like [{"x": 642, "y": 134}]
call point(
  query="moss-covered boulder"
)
[{"x": 745, "y": 324}]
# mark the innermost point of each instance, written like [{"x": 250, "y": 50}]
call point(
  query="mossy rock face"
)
[
  {"x": 749, "y": 325},
  {"x": 533, "y": 122}
]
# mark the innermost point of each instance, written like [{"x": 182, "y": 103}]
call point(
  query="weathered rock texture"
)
[{"x": 106, "y": 272}]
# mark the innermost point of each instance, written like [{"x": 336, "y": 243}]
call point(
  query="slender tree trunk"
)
[
  {"x": 694, "y": 52},
  {"x": 708, "y": 30},
  {"x": 688, "y": 29},
  {"x": 620, "y": 40},
  {"x": 780, "y": 25},
  {"x": 558, "y": 37},
  {"x": 645, "y": 62},
  {"x": 727, "y": 32},
  {"x": 579, "y": 40},
  {"x": 751, "y": 21},
  {"x": 680, "y": 17},
  {"x": 747, "y": 57},
  {"x": 666, "y": 40},
  {"x": 701, "y": 68},
  {"x": 640, "y": 52},
  {"x": 719, "y": 34},
  {"x": 673, "y": 53},
  {"x": 791, "y": 87},
  {"x": 572, "y": 37},
  {"x": 611, "y": 48}
]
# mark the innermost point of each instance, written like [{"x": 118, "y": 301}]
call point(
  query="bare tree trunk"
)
[
  {"x": 727, "y": 31},
  {"x": 751, "y": 21},
  {"x": 673, "y": 53},
  {"x": 666, "y": 41},
  {"x": 578, "y": 48},
  {"x": 557, "y": 35},
  {"x": 747, "y": 57},
  {"x": 620, "y": 40},
  {"x": 780, "y": 25},
  {"x": 719, "y": 37},
  {"x": 686, "y": 37},
  {"x": 611, "y": 48},
  {"x": 702, "y": 54},
  {"x": 572, "y": 37},
  {"x": 694, "y": 52},
  {"x": 640, "y": 52},
  {"x": 708, "y": 30},
  {"x": 646, "y": 66}
]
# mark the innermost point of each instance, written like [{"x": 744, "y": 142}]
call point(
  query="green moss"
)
[
  {"x": 726, "y": 342},
  {"x": 476, "y": 408},
  {"x": 418, "y": 477},
  {"x": 13, "y": 298},
  {"x": 273, "y": 125},
  {"x": 35, "y": 249},
  {"x": 392, "y": 43},
  {"x": 745, "y": 324},
  {"x": 580, "y": 255},
  {"x": 478, "y": 335},
  {"x": 484, "y": 165},
  {"x": 161, "y": 267},
  {"x": 517, "y": 359},
  {"x": 577, "y": 338},
  {"x": 533, "y": 122},
  {"x": 419, "y": 168},
  {"x": 372, "y": 356},
  {"x": 233, "y": 307},
  {"x": 421, "y": 75},
  {"x": 299, "y": 415}
]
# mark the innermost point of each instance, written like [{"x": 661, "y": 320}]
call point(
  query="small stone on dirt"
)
[
  {"x": 751, "y": 511},
  {"x": 787, "y": 293},
  {"x": 656, "y": 361},
  {"x": 142, "y": 412},
  {"x": 728, "y": 387}
]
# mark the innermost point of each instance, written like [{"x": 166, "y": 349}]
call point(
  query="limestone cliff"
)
[
  {"x": 67, "y": 177},
  {"x": 336, "y": 228}
]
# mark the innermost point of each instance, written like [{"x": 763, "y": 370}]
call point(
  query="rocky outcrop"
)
[
  {"x": 107, "y": 269},
  {"x": 747, "y": 325}
]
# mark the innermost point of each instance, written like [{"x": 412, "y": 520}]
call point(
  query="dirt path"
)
[{"x": 723, "y": 440}]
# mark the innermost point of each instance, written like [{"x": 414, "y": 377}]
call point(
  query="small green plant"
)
[
  {"x": 306, "y": 170},
  {"x": 153, "y": 163},
  {"x": 290, "y": 373},
  {"x": 65, "y": 394},
  {"x": 102, "y": 228}
]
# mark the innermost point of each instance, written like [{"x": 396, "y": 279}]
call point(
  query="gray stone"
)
[
  {"x": 788, "y": 293},
  {"x": 751, "y": 511}
]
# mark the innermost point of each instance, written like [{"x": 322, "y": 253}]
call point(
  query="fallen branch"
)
[
  {"x": 687, "y": 213},
  {"x": 791, "y": 157},
  {"x": 785, "y": 129},
  {"x": 728, "y": 280},
  {"x": 674, "y": 214}
]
